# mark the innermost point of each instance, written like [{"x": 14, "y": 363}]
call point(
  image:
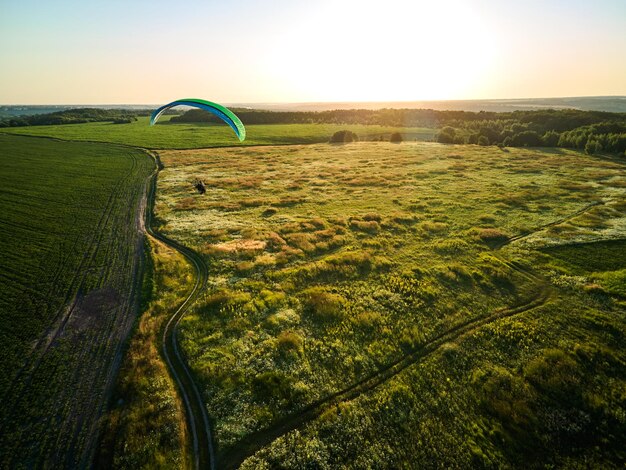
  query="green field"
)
[
  {"x": 362, "y": 312},
  {"x": 70, "y": 240},
  {"x": 370, "y": 305},
  {"x": 165, "y": 135}
]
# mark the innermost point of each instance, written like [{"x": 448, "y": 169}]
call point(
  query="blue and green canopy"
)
[{"x": 218, "y": 110}]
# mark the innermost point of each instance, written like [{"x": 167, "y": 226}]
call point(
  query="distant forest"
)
[
  {"x": 591, "y": 131},
  {"x": 75, "y": 116}
]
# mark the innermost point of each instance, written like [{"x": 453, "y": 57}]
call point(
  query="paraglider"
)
[
  {"x": 200, "y": 187},
  {"x": 220, "y": 111}
]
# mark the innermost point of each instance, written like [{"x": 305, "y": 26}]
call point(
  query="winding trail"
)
[{"x": 197, "y": 417}]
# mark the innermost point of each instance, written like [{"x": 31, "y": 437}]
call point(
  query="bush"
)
[
  {"x": 483, "y": 140},
  {"x": 492, "y": 236},
  {"x": 273, "y": 386},
  {"x": 369, "y": 226},
  {"x": 323, "y": 305},
  {"x": 450, "y": 246},
  {"x": 345, "y": 136},
  {"x": 270, "y": 211},
  {"x": 554, "y": 372},
  {"x": 504, "y": 395},
  {"x": 396, "y": 137},
  {"x": 289, "y": 343}
]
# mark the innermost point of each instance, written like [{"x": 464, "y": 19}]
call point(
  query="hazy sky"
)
[{"x": 235, "y": 51}]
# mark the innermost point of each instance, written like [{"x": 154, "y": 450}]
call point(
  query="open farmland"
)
[
  {"x": 71, "y": 243},
  {"x": 376, "y": 305},
  {"x": 165, "y": 135}
]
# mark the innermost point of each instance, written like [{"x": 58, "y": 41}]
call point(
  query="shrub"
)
[
  {"x": 505, "y": 395},
  {"x": 451, "y": 246},
  {"x": 274, "y": 386},
  {"x": 369, "y": 226},
  {"x": 368, "y": 321},
  {"x": 270, "y": 211},
  {"x": 224, "y": 301},
  {"x": 433, "y": 227},
  {"x": 323, "y": 305},
  {"x": 302, "y": 241},
  {"x": 289, "y": 343},
  {"x": 492, "y": 236},
  {"x": 411, "y": 338},
  {"x": 482, "y": 140},
  {"x": 554, "y": 372},
  {"x": 372, "y": 216}
]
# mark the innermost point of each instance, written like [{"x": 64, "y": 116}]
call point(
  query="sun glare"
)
[{"x": 393, "y": 50}]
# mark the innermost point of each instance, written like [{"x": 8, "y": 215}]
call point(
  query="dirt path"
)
[{"x": 197, "y": 417}]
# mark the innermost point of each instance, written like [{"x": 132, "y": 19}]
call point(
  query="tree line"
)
[
  {"x": 74, "y": 116},
  {"x": 592, "y": 131},
  {"x": 605, "y": 136}
]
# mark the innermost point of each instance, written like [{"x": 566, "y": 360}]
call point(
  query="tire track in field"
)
[
  {"x": 258, "y": 440},
  {"x": 73, "y": 291},
  {"x": 25, "y": 374},
  {"x": 197, "y": 416},
  {"x": 81, "y": 443}
]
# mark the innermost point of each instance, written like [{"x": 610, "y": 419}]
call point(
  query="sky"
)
[{"x": 275, "y": 51}]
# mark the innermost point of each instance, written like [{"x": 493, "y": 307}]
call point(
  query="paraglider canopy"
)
[{"x": 220, "y": 111}]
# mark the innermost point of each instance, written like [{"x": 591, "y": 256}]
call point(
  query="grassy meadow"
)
[
  {"x": 370, "y": 305},
  {"x": 166, "y": 135},
  {"x": 69, "y": 232},
  {"x": 332, "y": 263}
]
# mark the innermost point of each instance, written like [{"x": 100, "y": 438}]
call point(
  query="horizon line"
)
[{"x": 232, "y": 103}]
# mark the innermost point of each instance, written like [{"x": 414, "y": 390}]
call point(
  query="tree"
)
[
  {"x": 483, "y": 140},
  {"x": 444, "y": 138},
  {"x": 551, "y": 139},
  {"x": 449, "y": 130},
  {"x": 341, "y": 137},
  {"x": 396, "y": 137},
  {"x": 527, "y": 139}
]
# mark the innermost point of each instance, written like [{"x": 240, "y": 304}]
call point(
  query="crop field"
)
[
  {"x": 165, "y": 135},
  {"x": 384, "y": 305},
  {"x": 70, "y": 238}
]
